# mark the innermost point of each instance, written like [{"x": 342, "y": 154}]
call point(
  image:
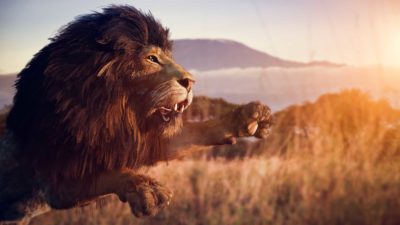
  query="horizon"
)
[{"x": 318, "y": 65}]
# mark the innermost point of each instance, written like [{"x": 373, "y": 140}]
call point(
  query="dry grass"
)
[
  {"x": 333, "y": 162},
  {"x": 295, "y": 190}
]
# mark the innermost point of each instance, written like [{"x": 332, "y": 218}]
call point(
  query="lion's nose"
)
[{"x": 186, "y": 83}]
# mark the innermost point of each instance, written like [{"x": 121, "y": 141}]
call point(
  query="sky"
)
[{"x": 354, "y": 32}]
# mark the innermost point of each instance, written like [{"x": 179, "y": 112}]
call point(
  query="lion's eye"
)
[{"x": 154, "y": 59}]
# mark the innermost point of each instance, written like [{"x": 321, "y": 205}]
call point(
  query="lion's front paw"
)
[
  {"x": 252, "y": 119},
  {"x": 146, "y": 196}
]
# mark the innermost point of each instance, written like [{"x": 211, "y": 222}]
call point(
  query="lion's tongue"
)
[
  {"x": 165, "y": 113},
  {"x": 166, "y": 118}
]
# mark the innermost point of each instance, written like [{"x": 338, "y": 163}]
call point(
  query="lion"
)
[{"x": 103, "y": 99}]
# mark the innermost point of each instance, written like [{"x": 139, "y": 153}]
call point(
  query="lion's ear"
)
[
  {"x": 103, "y": 40},
  {"x": 117, "y": 41}
]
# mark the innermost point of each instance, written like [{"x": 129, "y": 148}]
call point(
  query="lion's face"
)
[{"x": 163, "y": 90}]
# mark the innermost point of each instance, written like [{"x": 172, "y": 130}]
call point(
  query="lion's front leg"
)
[
  {"x": 144, "y": 195},
  {"x": 252, "y": 119}
]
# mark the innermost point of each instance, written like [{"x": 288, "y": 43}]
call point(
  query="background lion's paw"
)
[{"x": 252, "y": 119}]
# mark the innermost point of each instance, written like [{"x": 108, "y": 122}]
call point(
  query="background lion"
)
[{"x": 104, "y": 98}]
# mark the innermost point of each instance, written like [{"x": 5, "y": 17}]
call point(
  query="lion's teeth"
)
[
  {"x": 182, "y": 108},
  {"x": 176, "y": 107}
]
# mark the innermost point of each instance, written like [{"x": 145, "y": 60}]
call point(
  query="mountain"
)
[{"x": 212, "y": 54}]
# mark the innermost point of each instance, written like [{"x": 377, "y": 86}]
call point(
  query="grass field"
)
[
  {"x": 319, "y": 189},
  {"x": 335, "y": 161}
]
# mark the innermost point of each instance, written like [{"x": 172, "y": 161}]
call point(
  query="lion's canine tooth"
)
[{"x": 176, "y": 107}]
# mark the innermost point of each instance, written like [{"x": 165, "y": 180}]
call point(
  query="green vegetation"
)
[{"x": 335, "y": 161}]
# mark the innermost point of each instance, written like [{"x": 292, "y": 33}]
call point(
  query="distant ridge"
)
[{"x": 211, "y": 54}]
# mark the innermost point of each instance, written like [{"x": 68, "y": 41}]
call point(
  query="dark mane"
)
[{"x": 73, "y": 113}]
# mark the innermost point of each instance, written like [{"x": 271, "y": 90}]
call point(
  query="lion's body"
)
[
  {"x": 104, "y": 98},
  {"x": 58, "y": 123},
  {"x": 19, "y": 196},
  {"x": 71, "y": 118}
]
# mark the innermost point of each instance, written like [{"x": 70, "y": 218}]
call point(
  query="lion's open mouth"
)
[{"x": 168, "y": 112}]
